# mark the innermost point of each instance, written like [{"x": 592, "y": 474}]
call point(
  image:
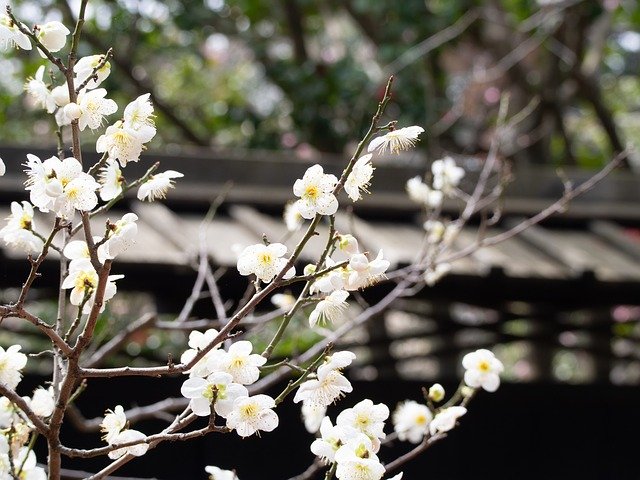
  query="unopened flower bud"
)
[
  {"x": 436, "y": 392},
  {"x": 53, "y": 35},
  {"x": 60, "y": 95},
  {"x": 467, "y": 391},
  {"x": 72, "y": 111},
  {"x": 309, "y": 269}
]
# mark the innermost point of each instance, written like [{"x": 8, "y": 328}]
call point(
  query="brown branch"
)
[
  {"x": 295, "y": 21},
  {"x": 21, "y": 403}
]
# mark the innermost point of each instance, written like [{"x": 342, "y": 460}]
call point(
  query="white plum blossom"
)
[
  {"x": 11, "y": 36},
  {"x": 332, "y": 437},
  {"x": 482, "y": 369},
  {"x": 315, "y": 190},
  {"x": 111, "y": 181},
  {"x": 356, "y": 459},
  {"x": 199, "y": 341},
  {"x": 292, "y": 218},
  {"x": 411, "y": 421},
  {"x": 138, "y": 115},
  {"x": 3, "y": 168},
  {"x": 251, "y": 414},
  {"x": 60, "y": 185},
  {"x": 330, "y": 384},
  {"x": 93, "y": 107},
  {"x": 216, "y": 473},
  {"x": 60, "y": 95},
  {"x": 122, "y": 235},
  {"x": 359, "y": 179},
  {"x": 330, "y": 308},
  {"x": 265, "y": 261},
  {"x": 113, "y": 423},
  {"x": 283, "y": 301},
  {"x": 121, "y": 142},
  {"x": 25, "y": 465},
  {"x": 218, "y": 385},
  {"x": 84, "y": 68},
  {"x": 52, "y": 35},
  {"x": 83, "y": 280},
  {"x": 11, "y": 364},
  {"x": 127, "y": 436},
  {"x": 348, "y": 244},
  {"x": 364, "y": 272},
  {"x": 329, "y": 282},
  {"x": 157, "y": 185},
  {"x": 312, "y": 416},
  {"x": 446, "y": 174},
  {"x": 36, "y": 87},
  {"x": 71, "y": 112},
  {"x": 446, "y": 419},
  {"x": 366, "y": 418},
  {"x": 396, "y": 140},
  {"x": 42, "y": 402},
  {"x": 239, "y": 362},
  {"x": 18, "y": 233},
  {"x": 420, "y": 193},
  {"x": 78, "y": 251}
]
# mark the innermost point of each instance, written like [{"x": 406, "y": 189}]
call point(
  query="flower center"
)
[
  {"x": 25, "y": 222},
  {"x": 265, "y": 258},
  {"x": 249, "y": 411},
  {"x": 421, "y": 419},
  {"x": 311, "y": 192},
  {"x": 484, "y": 366}
]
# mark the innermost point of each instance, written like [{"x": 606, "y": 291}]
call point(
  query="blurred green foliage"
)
[{"x": 302, "y": 74}]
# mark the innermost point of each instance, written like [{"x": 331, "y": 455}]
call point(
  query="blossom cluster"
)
[
  {"x": 17, "y": 459},
  {"x": 217, "y": 384}
]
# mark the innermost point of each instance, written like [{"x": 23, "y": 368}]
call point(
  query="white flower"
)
[
  {"x": 202, "y": 391},
  {"x": 83, "y": 280},
  {"x": 111, "y": 179},
  {"x": 239, "y": 362},
  {"x": 313, "y": 415},
  {"x": 36, "y": 87},
  {"x": 433, "y": 274},
  {"x": 93, "y": 108},
  {"x": 11, "y": 36},
  {"x": 364, "y": 272},
  {"x": 251, "y": 414},
  {"x": 3, "y": 168},
  {"x": 84, "y": 69},
  {"x": 482, "y": 369},
  {"x": 52, "y": 35},
  {"x": 331, "y": 439},
  {"x": 18, "y": 233},
  {"x": 411, "y": 421},
  {"x": 435, "y": 230},
  {"x": 122, "y": 236},
  {"x": 26, "y": 466},
  {"x": 284, "y": 301},
  {"x": 265, "y": 261},
  {"x": 337, "y": 361},
  {"x": 292, "y": 218},
  {"x": 357, "y": 460},
  {"x": 396, "y": 140},
  {"x": 436, "y": 392},
  {"x": 11, "y": 364},
  {"x": 138, "y": 115},
  {"x": 446, "y": 175},
  {"x": 42, "y": 402},
  {"x": 78, "y": 250},
  {"x": 198, "y": 341},
  {"x": 420, "y": 193},
  {"x": 329, "y": 386},
  {"x": 315, "y": 190},
  {"x": 157, "y": 185},
  {"x": 121, "y": 142},
  {"x": 348, "y": 244},
  {"x": 216, "y": 473},
  {"x": 359, "y": 179},
  {"x": 329, "y": 282},
  {"x": 72, "y": 111},
  {"x": 446, "y": 419},
  {"x": 365, "y": 417},
  {"x": 329, "y": 309},
  {"x": 60, "y": 95},
  {"x": 114, "y": 421},
  {"x": 127, "y": 436}
]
